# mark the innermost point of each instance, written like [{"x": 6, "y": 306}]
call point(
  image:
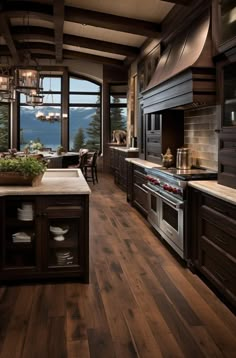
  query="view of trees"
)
[
  {"x": 4, "y": 127},
  {"x": 94, "y": 132},
  {"x": 79, "y": 140},
  {"x": 117, "y": 116}
]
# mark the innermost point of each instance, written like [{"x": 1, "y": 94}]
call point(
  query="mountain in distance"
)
[{"x": 50, "y": 133}]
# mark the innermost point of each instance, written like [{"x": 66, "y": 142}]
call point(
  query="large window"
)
[
  {"x": 84, "y": 114},
  {"x": 118, "y": 108},
  {"x": 32, "y": 128},
  {"x": 4, "y": 127}
]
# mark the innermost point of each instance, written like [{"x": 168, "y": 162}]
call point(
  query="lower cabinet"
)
[
  {"x": 140, "y": 195},
  {"x": 44, "y": 237},
  {"x": 120, "y": 166},
  {"x": 213, "y": 242}
]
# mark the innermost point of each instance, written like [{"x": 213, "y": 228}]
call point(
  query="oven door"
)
[
  {"x": 166, "y": 215},
  {"x": 172, "y": 222},
  {"x": 153, "y": 208}
]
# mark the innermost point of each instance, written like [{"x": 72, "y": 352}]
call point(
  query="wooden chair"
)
[
  {"x": 90, "y": 167},
  {"x": 82, "y": 160}
]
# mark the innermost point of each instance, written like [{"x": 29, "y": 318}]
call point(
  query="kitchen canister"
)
[{"x": 183, "y": 158}]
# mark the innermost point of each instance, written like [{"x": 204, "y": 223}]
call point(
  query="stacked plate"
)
[
  {"x": 26, "y": 213},
  {"x": 21, "y": 237},
  {"x": 64, "y": 257}
]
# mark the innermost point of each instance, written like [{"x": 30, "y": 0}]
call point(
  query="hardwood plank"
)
[
  {"x": 57, "y": 340},
  {"x": 16, "y": 330},
  {"x": 38, "y": 327}
]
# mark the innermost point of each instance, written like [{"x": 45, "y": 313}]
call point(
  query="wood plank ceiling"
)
[{"x": 102, "y": 31}]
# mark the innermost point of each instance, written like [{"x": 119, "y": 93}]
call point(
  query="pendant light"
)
[
  {"x": 51, "y": 116},
  {"x": 7, "y": 91},
  {"x": 34, "y": 98}
]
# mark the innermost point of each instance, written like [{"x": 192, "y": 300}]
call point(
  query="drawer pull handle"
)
[
  {"x": 221, "y": 210},
  {"x": 218, "y": 238},
  {"x": 222, "y": 278}
]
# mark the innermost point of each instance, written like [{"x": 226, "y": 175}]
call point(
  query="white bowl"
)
[{"x": 56, "y": 230}]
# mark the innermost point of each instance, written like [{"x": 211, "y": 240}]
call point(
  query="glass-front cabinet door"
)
[
  {"x": 19, "y": 242},
  {"x": 228, "y": 20},
  {"x": 63, "y": 229},
  {"x": 229, "y": 105}
]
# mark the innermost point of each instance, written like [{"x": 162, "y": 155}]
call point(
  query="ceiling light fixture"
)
[{"x": 51, "y": 116}]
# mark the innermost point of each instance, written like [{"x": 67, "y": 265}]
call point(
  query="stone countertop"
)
[
  {"x": 212, "y": 187},
  {"x": 142, "y": 163},
  {"x": 54, "y": 182},
  {"x": 125, "y": 149}
]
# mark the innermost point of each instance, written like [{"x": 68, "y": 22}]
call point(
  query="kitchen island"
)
[{"x": 45, "y": 229}]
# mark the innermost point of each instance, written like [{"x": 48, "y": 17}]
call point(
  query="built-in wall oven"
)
[{"x": 167, "y": 203}]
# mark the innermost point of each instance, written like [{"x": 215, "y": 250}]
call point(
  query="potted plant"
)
[{"x": 26, "y": 170}]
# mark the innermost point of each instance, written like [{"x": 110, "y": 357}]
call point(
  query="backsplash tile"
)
[{"x": 200, "y": 136}]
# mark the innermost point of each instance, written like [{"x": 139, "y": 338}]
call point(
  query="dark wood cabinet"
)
[
  {"x": 224, "y": 25},
  {"x": 163, "y": 130},
  {"x": 213, "y": 242},
  {"x": 120, "y": 166},
  {"x": 227, "y": 135},
  {"x": 47, "y": 240},
  {"x": 139, "y": 195}
]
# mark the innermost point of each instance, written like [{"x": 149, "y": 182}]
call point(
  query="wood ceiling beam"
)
[
  {"x": 5, "y": 32},
  {"x": 73, "y": 55},
  {"x": 82, "y": 16},
  {"x": 58, "y": 15},
  {"x": 21, "y": 33},
  {"x": 93, "y": 58},
  {"x": 45, "y": 50},
  {"x": 112, "y": 22}
]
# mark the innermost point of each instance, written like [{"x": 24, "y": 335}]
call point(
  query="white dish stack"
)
[
  {"x": 26, "y": 213},
  {"x": 21, "y": 237},
  {"x": 64, "y": 258}
]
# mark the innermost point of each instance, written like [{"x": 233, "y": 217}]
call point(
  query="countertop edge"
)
[
  {"x": 142, "y": 163},
  {"x": 217, "y": 190}
]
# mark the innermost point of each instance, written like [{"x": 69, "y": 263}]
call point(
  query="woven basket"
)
[{"x": 14, "y": 178}]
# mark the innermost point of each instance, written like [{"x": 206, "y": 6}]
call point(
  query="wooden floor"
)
[{"x": 140, "y": 301}]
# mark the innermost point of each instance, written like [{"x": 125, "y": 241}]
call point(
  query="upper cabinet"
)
[
  {"x": 229, "y": 88},
  {"x": 224, "y": 24}
]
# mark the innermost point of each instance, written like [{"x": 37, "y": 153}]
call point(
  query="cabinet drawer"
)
[
  {"x": 140, "y": 197},
  {"x": 219, "y": 268},
  {"x": 62, "y": 201},
  {"x": 139, "y": 178},
  {"x": 217, "y": 235},
  {"x": 218, "y": 206}
]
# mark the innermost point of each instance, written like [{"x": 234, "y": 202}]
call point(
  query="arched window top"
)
[{"x": 82, "y": 85}]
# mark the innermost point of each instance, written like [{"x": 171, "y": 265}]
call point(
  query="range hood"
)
[{"x": 185, "y": 76}]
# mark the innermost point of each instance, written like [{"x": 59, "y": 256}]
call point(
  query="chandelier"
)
[
  {"x": 51, "y": 116},
  {"x": 34, "y": 98},
  {"x": 27, "y": 79}
]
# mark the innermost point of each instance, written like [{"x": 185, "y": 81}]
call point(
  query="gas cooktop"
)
[{"x": 188, "y": 174}]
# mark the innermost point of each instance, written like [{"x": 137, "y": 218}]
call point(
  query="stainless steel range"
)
[{"x": 167, "y": 195}]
